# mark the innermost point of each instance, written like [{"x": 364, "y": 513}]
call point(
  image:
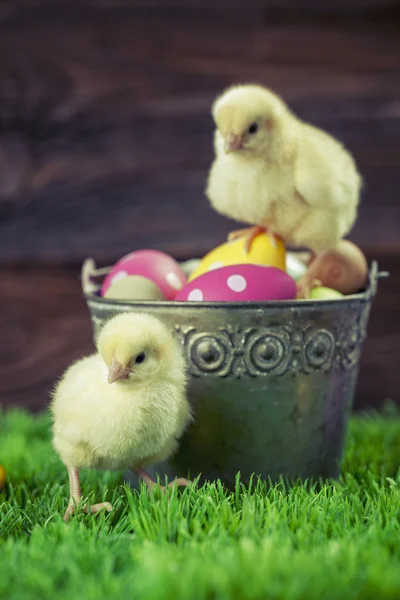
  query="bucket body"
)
[{"x": 271, "y": 384}]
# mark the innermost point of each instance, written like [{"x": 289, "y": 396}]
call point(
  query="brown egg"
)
[
  {"x": 344, "y": 268},
  {"x": 134, "y": 287}
]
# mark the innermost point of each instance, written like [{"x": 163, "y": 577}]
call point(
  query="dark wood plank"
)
[
  {"x": 45, "y": 326},
  {"x": 287, "y": 9},
  {"x": 105, "y": 132}
]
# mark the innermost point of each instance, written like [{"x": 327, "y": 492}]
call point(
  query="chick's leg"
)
[
  {"x": 250, "y": 233},
  {"x": 179, "y": 481},
  {"x": 76, "y": 496},
  {"x": 75, "y": 493},
  {"x": 307, "y": 281}
]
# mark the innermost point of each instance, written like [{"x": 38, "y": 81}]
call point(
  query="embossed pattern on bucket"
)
[{"x": 272, "y": 384}]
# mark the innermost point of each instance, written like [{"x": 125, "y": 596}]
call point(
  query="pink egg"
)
[
  {"x": 240, "y": 283},
  {"x": 160, "y": 268}
]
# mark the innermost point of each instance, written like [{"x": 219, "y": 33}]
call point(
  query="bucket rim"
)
[{"x": 90, "y": 290}]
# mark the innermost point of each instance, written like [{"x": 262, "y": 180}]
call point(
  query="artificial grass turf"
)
[{"x": 334, "y": 540}]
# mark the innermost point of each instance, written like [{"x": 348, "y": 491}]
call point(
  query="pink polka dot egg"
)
[
  {"x": 158, "y": 267},
  {"x": 240, "y": 283}
]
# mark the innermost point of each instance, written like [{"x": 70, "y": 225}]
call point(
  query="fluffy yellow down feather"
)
[
  {"x": 123, "y": 407},
  {"x": 274, "y": 171}
]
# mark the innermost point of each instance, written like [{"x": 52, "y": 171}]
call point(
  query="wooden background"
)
[{"x": 106, "y": 139}]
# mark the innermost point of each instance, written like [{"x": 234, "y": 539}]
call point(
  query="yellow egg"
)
[
  {"x": 2, "y": 476},
  {"x": 262, "y": 252}
]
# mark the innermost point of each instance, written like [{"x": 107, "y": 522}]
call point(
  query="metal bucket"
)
[{"x": 272, "y": 384}]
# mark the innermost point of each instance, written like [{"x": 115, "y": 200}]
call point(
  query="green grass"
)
[{"x": 339, "y": 540}]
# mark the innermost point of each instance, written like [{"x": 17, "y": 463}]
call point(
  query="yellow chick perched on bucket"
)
[
  {"x": 123, "y": 407},
  {"x": 264, "y": 251},
  {"x": 279, "y": 174}
]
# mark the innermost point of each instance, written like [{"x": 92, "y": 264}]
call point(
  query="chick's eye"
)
[
  {"x": 253, "y": 128},
  {"x": 140, "y": 358}
]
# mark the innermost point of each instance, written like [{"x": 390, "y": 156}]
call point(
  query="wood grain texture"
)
[
  {"x": 303, "y": 9},
  {"x": 45, "y": 325},
  {"x": 105, "y": 131}
]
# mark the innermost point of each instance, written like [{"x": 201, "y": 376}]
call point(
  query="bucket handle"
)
[
  {"x": 89, "y": 273},
  {"x": 374, "y": 276}
]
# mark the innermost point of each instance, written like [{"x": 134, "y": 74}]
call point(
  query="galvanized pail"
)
[{"x": 272, "y": 384}]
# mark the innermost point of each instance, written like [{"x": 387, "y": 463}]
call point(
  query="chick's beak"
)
[
  {"x": 117, "y": 371},
  {"x": 233, "y": 142}
]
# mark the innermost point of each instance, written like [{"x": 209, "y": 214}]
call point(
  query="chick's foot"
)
[
  {"x": 250, "y": 233},
  {"x": 94, "y": 508},
  {"x": 76, "y": 496},
  {"x": 151, "y": 484}
]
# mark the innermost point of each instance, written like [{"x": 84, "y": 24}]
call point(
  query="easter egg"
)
[
  {"x": 324, "y": 293},
  {"x": 157, "y": 266},
  {"x": 294, "y": 266},
  {"x": 190, "y": 265},
  {"x": 240, "y": 283},
  {"x": 263, "y": 251},
  {"x": 2, "y": 476},
  {"x": 134, "y": 287},
  {"x": 343, "y": 268}
]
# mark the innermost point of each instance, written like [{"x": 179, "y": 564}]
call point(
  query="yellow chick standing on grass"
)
[
  {"x": 123, "y": 407},
  {"x": 278, "y": 173}
]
